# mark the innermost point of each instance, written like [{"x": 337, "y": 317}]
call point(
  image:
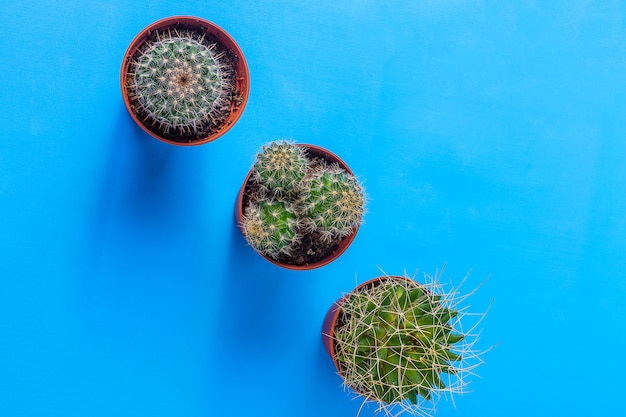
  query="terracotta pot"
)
[
  {"x": 235, "y": 56},
  {"x": 313, "y": 151},
  {"x": 331, "y": 319}
]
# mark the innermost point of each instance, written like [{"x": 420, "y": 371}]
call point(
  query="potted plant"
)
[
  {"x": 300, "y": 206},
  {"x": 400, "y": 343},
  {"x": 184, "y": 80}
]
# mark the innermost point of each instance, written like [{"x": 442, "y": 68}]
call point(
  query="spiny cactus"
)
[
  {"x": 280, "y": 167},
  {"x": 271, "y": 227},
  {"x": 399, "y": 342},
  {"x": 181, "y": 84},
  {"x": 334, "y": 202}
]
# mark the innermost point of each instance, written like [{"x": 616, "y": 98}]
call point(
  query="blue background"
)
[{"x": 489, "y": 136}]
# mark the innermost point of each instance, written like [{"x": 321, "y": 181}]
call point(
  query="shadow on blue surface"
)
[
  {"x": 262, "y": 321},
  {"x": 251, "y": 294},
  {"x": 149, "y": 173},
  {"x": 329, "y": 386},
  {"x": 147, "y": 189}
]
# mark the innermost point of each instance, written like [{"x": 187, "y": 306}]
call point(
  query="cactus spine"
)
[
  {"x": 399, "y": 342},
  {"x": 181, "y": 84}
]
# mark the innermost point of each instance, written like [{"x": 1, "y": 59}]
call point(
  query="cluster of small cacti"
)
[
  {"x": 397, "y": 342},
  {"x": 181, "y": 84},
  {"x": 297, "y": 196}
]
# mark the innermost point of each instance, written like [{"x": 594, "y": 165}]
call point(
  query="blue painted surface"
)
[{"x": 490, "y": 136}]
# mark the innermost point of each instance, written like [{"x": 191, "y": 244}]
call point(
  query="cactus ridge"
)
[
  {"x": 271, "y": 227},
  {"x": 400, "y": 342},
  {"x": 181, "y": 83},
  {"x": 280, "y": 167},
  {"x": 334, "y": 202}
]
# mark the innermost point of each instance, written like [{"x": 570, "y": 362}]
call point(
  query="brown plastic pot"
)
[
  {"x": 226, "y": 42},
  {"x": 313, "y": 151},
  {"x": 332, "y": 316}
]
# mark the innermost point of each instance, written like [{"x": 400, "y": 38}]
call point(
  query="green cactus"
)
[
  {"x": 181, "y": 84},
  {"x": 280, "y": 167},
  {"x": 271, "y": 227},
  {"x": 398, "y": 343},
  {"x": 334, "y": 202}
]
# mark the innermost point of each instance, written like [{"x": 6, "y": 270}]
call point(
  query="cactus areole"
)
[{"x": 184, "y": 80}]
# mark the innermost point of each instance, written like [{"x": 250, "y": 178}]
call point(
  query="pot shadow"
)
[
  {"x": 325, "y": 382},
  {"x": 140, "y": 191},
  {"x": 261, "y": 306},
  {"x": 253, "y": 298}
]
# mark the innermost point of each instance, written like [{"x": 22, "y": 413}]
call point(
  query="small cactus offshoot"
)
[
  {"x": 400, "y": 343},
  {"x": 333, "y": 202},
  {"x": 271, "y": 227},
  {"x": 324, "y": 199},
  {"x": 180, "y": 84},
  {"x": 280, "y": 167}
]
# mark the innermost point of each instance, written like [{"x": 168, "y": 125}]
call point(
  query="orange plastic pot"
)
[
  {"x": 331, "y": 158},
  {"x": 226, "y": 43}
]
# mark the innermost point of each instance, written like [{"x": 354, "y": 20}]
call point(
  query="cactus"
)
[
  {"x": 181, "y": 84},
  {"x": 281, "y": 166},
  {"x": 334, "y": 202},
  {"x": 399, "y": 342},
  {"x": 271, "y": 227}
]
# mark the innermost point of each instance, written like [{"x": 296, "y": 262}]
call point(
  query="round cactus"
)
[
  {"x": 271, "y": 227},
  {"x": 334, "y": 202},
  {"x": 181, "y": 84},
  {"x": 280, "y": 167},
  {"x": 397, "y": 342}
]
